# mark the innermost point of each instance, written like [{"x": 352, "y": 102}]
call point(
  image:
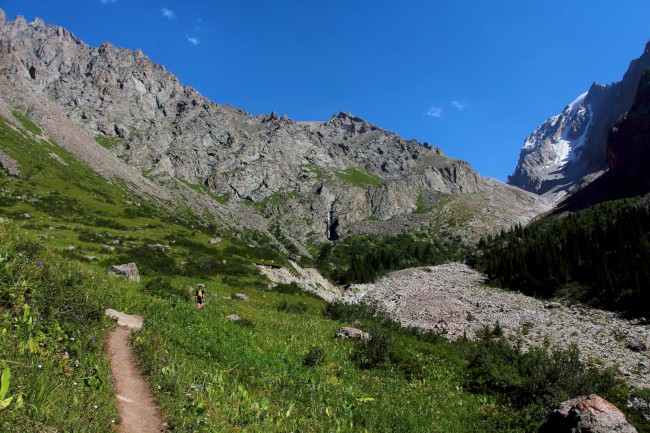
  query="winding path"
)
[{"x": 135, "y": 401}]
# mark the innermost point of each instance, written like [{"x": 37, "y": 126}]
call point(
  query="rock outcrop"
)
[
  {"x": 349, "y": 333},
  {"x": 571, "y": 146},
  {"x": 587, "y": 414},
  {"x": 9, "y": 165},
  {"x": 307, "y": 278},
  {"x": 129, "y": 271},
  {"x": 628, "y": 157}
]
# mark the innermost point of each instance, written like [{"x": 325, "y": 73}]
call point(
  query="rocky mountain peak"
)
[
  {"x": 569, "y": 149},
  {"x": 300, "y": 175}
]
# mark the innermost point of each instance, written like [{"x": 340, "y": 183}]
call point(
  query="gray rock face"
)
[
  {"x": 300, "y": 175},
  {"x": 9, "y": 165},
  {"x": 591, "y": 414},
  {"x": 128, "y": 270},
  {"x": 572, "y": 145}
]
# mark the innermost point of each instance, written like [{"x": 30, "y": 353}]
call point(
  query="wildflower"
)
[
  {"x": 39, "y": 366},
  {"x": 74, "y": 383},
  {"x": 95, "y": 407},
  {"x": 39, "y": 263}
]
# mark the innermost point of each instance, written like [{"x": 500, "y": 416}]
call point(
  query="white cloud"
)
[
  {"x": 107, "y": 1},
  {"x": 167, "y": 13},
  {"x": 458, "y": 104},
  {"x": 199, "y": 24},
  {"x": 433, "y": 112},
  {"x": 193, "y": 40}
]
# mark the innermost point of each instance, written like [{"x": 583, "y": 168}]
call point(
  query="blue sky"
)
[{"x": 473, "y": 77}]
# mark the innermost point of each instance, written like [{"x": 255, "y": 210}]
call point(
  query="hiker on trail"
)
[{"x": 200, "y": 296}]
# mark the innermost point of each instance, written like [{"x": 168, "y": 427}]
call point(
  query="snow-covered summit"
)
[{"x": 571, "y": 146}]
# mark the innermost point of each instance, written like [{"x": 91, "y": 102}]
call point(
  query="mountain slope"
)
[
  {"x": 309, "y": 181},
  {"x": 628, "y": 157},
  {"x": 570, "y": 148}
]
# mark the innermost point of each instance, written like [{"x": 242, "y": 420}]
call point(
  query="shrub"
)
[
  {"x": 373, "y": 352},
  {"x": 291, "y": 289},
  {"x": 535, "y": 381},
  {"x": 246, "y": 323},
  {"x": 163, "y": 288},
  {"x": 339, "y": 310},
  {"x": 314, "y": 357},
  {"x": 287, "y": 307}
]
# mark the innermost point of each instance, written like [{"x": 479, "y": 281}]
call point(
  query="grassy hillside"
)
[{"x": 278, "y": 369}]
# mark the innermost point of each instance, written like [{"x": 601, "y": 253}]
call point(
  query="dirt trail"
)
[{"x": 134, "y": 398}]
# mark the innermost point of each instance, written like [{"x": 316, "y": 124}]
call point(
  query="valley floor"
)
[{"x": 452, "y": 300}]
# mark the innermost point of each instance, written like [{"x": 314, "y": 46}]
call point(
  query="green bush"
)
[
  {"x": 314, "y": 357},
  {"x": 338, "y": 310},
  {"x": 373, "y": 352},
  {"x": 290, "y": 289},
  {"x": 163, "y": 288},
  {"x": 288, "y": 307},
  {"x": 536, "y": 380}
]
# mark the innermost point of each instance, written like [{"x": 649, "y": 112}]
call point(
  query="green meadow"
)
[{"x": 277, "y": 369}]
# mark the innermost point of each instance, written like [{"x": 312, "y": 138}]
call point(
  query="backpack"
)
[{"x": 199, "y": 293}]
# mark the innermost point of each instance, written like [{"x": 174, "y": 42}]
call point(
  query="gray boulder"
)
[
  {"x": 637, "y": 346},
  {"x": 128, "y": 270},
  {"x": 9, "y": 165},
  {"x": 239, "y": 297},
  {"x": 349, "y": 333},
  {"x": 587, "y": 414},
  {"x": 233, "y": 317}
]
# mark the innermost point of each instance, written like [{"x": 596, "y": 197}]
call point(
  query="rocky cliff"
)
[
  {"x": 310, "y": 179},
  {"x": 628, "y": 156},
  {"x": 569, "y": 149}
]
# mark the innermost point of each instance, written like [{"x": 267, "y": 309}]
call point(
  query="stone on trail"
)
[
  {"x": 128, "y": 270},
  {"x": 131, "y": 321},
  {"x": 587, "y": 414}
]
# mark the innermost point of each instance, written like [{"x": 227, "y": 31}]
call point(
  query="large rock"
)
[
  {"x": 9, "y": 165},
  {"x": 591, "y": 414},
  {"x": 128, "y": 270},
  {"x": 130, "y": 321},
  {"x": 349, "y": 333}
]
